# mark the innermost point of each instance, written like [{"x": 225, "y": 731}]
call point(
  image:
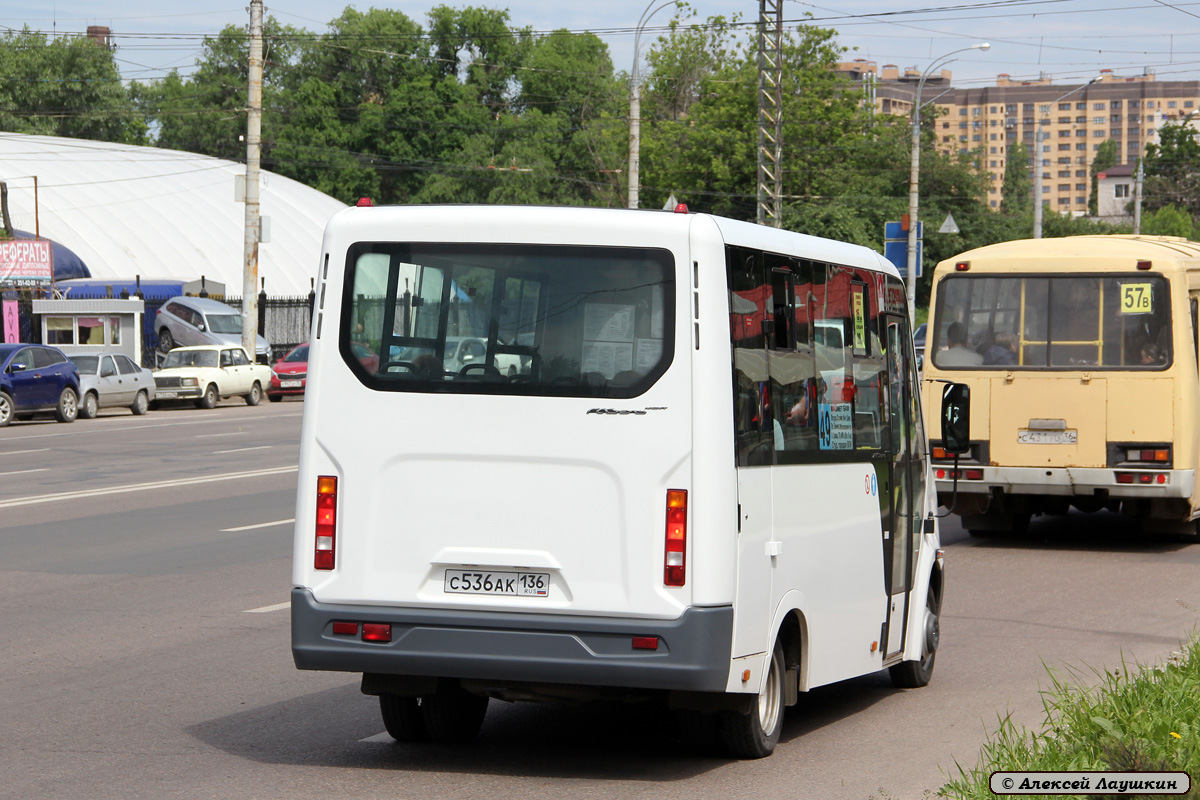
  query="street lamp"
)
[
  {"x": 635, "y": 102},
  {"x": 1037, "y": 159},
  {"x": 914, "y": 175}
]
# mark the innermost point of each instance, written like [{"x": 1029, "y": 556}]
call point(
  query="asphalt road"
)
[{"x": 144, "y": 576}]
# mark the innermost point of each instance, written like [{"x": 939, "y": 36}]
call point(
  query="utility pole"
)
[
  {"x": 253, "y": 148},
  {"x": 770, "y": 112},
  {"x": 1137, "y": 198}
]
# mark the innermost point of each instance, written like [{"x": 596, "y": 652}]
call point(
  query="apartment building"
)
[{"x": 1073, "y": 119}]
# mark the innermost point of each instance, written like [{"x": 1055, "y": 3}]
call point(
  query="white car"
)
[
  {"x": 208, "y": 373},
  {"x": 472, "y": 350}
]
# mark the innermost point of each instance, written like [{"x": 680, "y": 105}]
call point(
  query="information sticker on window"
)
[
  {"x": 858, "y": 297},
  {"x": 1136, "y": 298}
]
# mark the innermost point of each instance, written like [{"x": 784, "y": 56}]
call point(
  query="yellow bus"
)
[{"x": 1081, "y": 357}]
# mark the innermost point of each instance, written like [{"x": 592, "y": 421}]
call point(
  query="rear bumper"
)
[
  {"x": 1071, "y": 481},
  {"x": 693, "y": 651}
]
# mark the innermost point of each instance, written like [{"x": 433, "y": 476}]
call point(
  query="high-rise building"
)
[{"x": 1073, "y": 118}]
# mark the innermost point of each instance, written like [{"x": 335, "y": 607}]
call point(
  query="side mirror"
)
[
  {"x": 956, "y": 418},
  {"x": 17, "y": 367},
  {"x": 200, "y": 327}
]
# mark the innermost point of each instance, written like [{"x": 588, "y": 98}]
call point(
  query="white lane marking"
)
[
  {"x": 23, "y": 452},
  {"x": 268, "y": 609},
  {"x": 139, "y": 487},
  {"x": 381, "y": 738},
  {"x": 194, "y": 419},
  {"x": 242, "y": 449},
  {"x": 25, "y": 471},
  {"x": 259, "y": 525},
  {"x": 213, "y": 435}
]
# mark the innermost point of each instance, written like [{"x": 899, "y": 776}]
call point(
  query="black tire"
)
[
  {"x": 166, "y": 342},
  {"x": 755, "y": 735},
  {"x": 403, "y": 718},
  {"x": 255, "y": 396},
  {"x": 915, "y": 674},
  {"x": 90, "y": 406},
  {"x": 209, "y": 398},
  {"x": 7, "y": 409},
  {"x": 68, "y": 406},
  {"x": 452, "y": 714},
  {"x": 141, "y": 404},
  {"x": 274, "y": 398}
]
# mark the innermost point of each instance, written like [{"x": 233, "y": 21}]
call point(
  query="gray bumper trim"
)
[{"x": 693, "y": 651}]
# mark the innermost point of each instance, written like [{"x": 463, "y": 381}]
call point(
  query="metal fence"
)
[{"x": 283, "y": 321}]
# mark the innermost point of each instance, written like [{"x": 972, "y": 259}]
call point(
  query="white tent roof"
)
[{"x": 127, "y": 211}]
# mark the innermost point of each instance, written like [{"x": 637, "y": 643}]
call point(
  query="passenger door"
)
[
  {"x": 755, "y": 453},
  {"x": 29, "y": 390},
  {"x": 132, "y": 377},
  {"x": 236, "y": 378},
  {"x": 112, "y": 390},
  {"x": 905, "y": 483}
]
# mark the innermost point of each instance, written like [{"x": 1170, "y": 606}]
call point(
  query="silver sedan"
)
[{"x": 109, "y": 380}]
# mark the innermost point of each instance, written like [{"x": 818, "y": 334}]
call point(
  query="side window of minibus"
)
[
  {"x": 790, "y": 360},
  {"x": 1195, "y": 329},
  {"x": 749, "y": 325}
]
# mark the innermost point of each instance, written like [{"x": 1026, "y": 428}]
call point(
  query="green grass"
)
[{"x": 1134, "y": 718}]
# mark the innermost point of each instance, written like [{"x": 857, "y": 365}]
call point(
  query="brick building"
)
[{"x": 1075, "y": 118}]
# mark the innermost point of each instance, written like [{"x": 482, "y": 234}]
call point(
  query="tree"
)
[
  {"x": 206, "y": 112},
  {"x": 1172, "y": 170},
  {"x": 1168, "y": 221},
  {"x": 1016, "y": 195},
  {"x": 699, "y": 121},
  {"x": 1108, "y": 155},
  {"x": 65, "y": 86}
]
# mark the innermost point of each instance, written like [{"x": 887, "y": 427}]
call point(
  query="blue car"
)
[{"x": 36, "y": 379}]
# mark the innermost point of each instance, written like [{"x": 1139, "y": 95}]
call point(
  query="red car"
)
[{"x": 290, "y": 373}]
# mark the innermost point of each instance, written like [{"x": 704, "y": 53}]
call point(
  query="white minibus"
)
[{"x": 654, "y": 481}]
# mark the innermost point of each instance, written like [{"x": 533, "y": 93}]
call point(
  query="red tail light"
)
[
  {"x": 674, "y": 564},
  {"x": 326, "y": 522}
]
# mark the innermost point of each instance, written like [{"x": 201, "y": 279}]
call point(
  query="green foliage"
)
[
  {"x": 470, "y": 109},
  {"x": 1017, "y": 193},
  {"x": 65, "y": 86},
  {"x": 1134, "y": 718},
  {"x": 1107, "y": 155},
  {"x": 1172, "y": 170},
  {"x": 1169, "y": 221}
]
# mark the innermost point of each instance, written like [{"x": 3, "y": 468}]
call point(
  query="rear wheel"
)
[
  {"x": 141, "y": 404},
  {"x": 6, "y": 409},
  {"x": 452, "y": 714},
  {"x": 914, "y": 674},
  {"x": 755, "y": 735},
  {"x": 90, "y": 406},
  {"x": 166, "y": 342},
  {"x": 209, "y": 398},
  {"x": 403, "y": 718},
  {"x": 255, "y": 396},
  {"x": 68, "y": 406}
]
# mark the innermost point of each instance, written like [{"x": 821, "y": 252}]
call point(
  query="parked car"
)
[
  {"x": 289, "y": 376},
  {"x": 208, "y": 373},
  {"x": 108, "y": 380},
  {"x": 919, "y": 345},
  {"x": 35, "y": 379},
  {"x": 184, "y": 321}
]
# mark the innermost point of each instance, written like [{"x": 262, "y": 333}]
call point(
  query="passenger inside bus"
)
[{"x": 958, "y": 354}]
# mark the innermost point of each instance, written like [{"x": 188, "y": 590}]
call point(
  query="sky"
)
[{"x": 1069, "y": 41}]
